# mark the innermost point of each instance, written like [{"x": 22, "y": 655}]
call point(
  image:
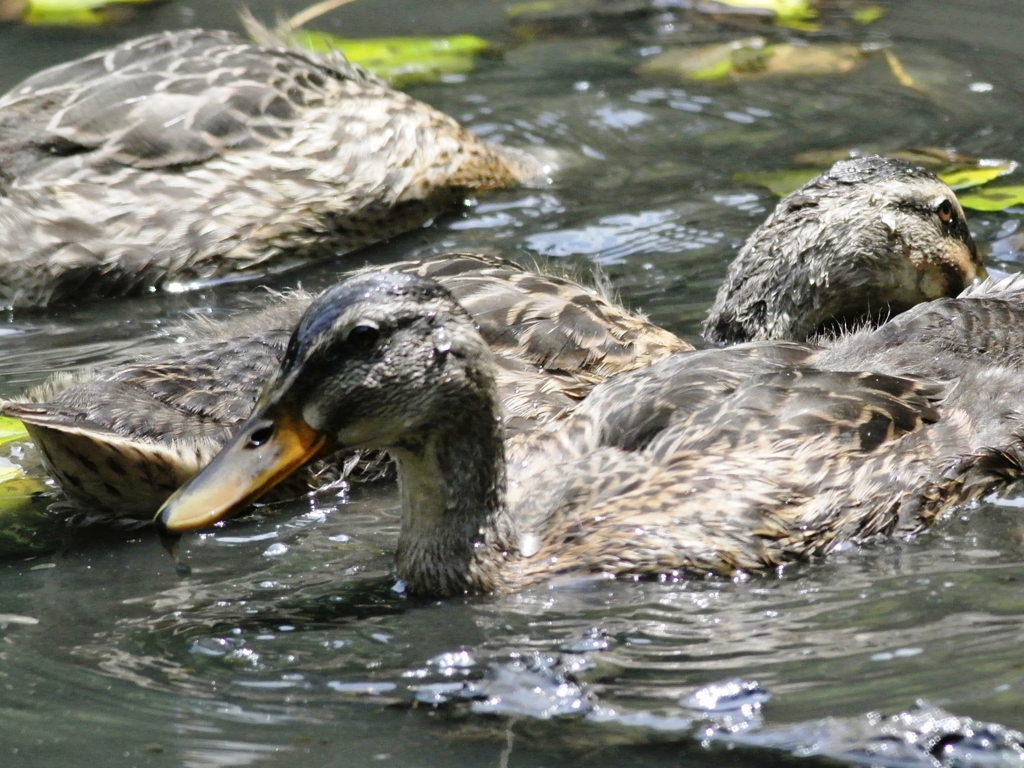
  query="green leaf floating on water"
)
[
  {"x": 964, "y": 178},
  {"x": 754, "y": 57},
  {"x": 26, "y": 529},
  {"x": 11, "y": 429},
  {"x": 867, "y": 14},
  {"x": 78, "y": 13},
  {"x": 958, "y": 171},
  {"x": 402, "y": 60},
  {"x": 789, "y": 13},
  {"x": 993, "y": 198},
  {"x": 536, "y": 6},
  {"x": 779, "y": 183},
  {"x": 783, "y": 9}
]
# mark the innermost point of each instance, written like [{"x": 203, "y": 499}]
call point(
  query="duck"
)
[
  {"x": 824, "y": 259},
  {"x": 726, "y": 461},
  {"x": 121, "y": 439},
  {"x": 191, "y": 156}
]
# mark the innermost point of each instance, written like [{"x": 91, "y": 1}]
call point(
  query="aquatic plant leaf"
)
[
  {"x": 964, "y": 178},
  {"x": 403, "y": 60},
  {"x": 957, "y": 170},
  {"x": 809, "y": 60},
  {"x": 11, "y": 429},
  {"x": 708, "y": 62},
  {"x": 752, "y": 58},
  {"x": 797, "y": 14},
  {"x": 80, "y": 13},
  {"x": 933, "y": 158},
  {"x": 16, "y": 493},
  {"x": 993, "y": 198},
  {"x": 867, "y": 14},
  {"x": 21, "y": 523},
  {"x": 25, "y": 527},
  {"x": 957, "y": 175},
  {"x": 899, "y": 72},
  {"x": 779, "y": 183},
  {"x": 537, "y": 6},
  {"x": 783, "y": 9}
]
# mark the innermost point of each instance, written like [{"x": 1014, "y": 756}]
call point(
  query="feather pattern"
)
[
  {"x": 194, "y": 155},
  {"x": 161, "y": 419},
  {"x": 555, "y": 338},
  {"x": 714, "y": 462}
]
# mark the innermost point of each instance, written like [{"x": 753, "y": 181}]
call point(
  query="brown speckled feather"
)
[
  {"x": 194, "y": 154},
  {"x": 548, "y": 321},
  {"x": 725, "y": 460},
  {"x": 752, "y": 457},
  {"x": 168, "y": 414}
]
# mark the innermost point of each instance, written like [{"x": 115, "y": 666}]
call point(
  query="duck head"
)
[
  {"x": 869, "y": 238},
  {"x": 382, "y": 360}
]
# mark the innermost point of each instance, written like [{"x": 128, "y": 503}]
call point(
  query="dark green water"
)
[{"x": 286, "y": 645}]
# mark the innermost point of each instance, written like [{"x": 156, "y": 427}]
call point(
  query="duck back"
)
[{"x": 194, "y": 155}]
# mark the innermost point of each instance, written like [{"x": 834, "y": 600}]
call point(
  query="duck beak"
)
[{"x": 272, "y": 444}]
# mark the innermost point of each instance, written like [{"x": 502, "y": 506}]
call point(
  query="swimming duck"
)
[
  {"x": 122, "y": 439},
  {"x": 725, "y": 460},
  {"x": 194, "y": 155}
]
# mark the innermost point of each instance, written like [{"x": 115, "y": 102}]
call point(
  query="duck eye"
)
[
  {"x": 260, "y": 436},
  {"x": 945, "y": 211},
  {"x": 363, "y": 338}
]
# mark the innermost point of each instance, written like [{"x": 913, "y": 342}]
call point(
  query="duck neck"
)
[
  {"x": 772, "y": 291},
  {"x": 456, "y": 535}
]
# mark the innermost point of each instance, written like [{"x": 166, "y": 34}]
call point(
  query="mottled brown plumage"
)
[
  {"x": 719, "y": 461},
  {"x": 155, "y": 423},
  {"x": 194, "y": 155},
  {"x": 121, "y": 440},
  {"x": 866, "y": 240}
]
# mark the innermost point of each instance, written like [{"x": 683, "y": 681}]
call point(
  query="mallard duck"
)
[
  {"x": 726, "y": 460},
  {"x": 195, "y": 155},
  {"x": 122, "y": 439}
]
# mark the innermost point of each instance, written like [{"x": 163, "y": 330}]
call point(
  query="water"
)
[{"x": 288, "y": 644}]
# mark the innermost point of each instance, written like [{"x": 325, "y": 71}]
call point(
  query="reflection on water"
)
[
  {"x": 614, "y": 238},
  {"x": 289, "y": 644}
]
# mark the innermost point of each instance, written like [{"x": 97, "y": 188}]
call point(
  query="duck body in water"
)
[
  {"x": 739, "y": 459},
  {"x": 196, "y": 155},
  {"x": 121, "y": 440}
]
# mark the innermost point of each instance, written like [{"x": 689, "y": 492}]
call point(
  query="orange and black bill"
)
[{"x": 269, "y": 447}]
